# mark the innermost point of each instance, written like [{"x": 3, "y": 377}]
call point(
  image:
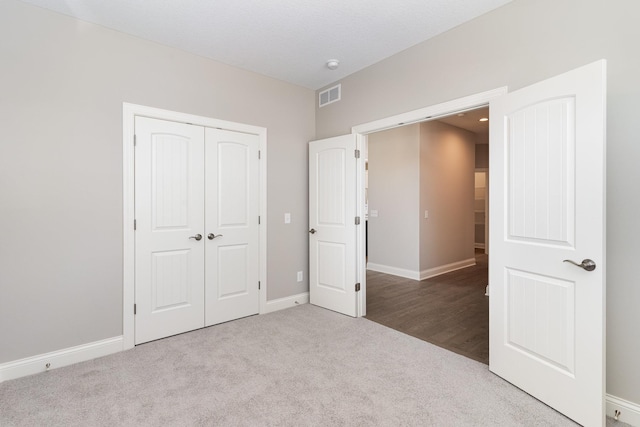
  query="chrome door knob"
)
[
  {"x": 197, "y": 237},
  {"x": 212, "y": 236},
  {"x": 587, "y": 264}
]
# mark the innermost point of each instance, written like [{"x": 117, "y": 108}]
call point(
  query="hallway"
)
[{"x": 450, "y": 310}]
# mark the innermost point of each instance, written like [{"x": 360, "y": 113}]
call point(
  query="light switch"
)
[
  {"x": 287, "y": 218},
  {"x": 426, "y": 214},
  {"x": 373, "y": 213}
]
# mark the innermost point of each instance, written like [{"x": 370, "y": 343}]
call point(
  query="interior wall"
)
[
  {"x": 447, "y": 157},
  {"x": 62, "y": 85},
  {"x": 516, "y": 45},
  {"x": 482, "y": 153},
  {"x": 394, "y": 181}
]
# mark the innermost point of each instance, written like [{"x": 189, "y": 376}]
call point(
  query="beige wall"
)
[
  {"x": 62, "y": 85},
  {"x": 447, "y": 156},
  {"x": 516, "y": 45},
  {"x": 413, "y": 169},
  {"x": 482, "y": 155},
  {"x": 394, "y": 181}
]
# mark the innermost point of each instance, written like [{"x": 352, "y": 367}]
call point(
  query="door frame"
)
[
  {"x": 129, "y": 113},
  {"x": 432, "y": 112}
]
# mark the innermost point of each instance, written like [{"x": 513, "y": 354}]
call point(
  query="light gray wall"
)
[
  {"x": 447, "y": 156},
  {"x": 62, "y": 85},
  {"x": 516, "y": 45},
  {"x": 394, "y": 181}
]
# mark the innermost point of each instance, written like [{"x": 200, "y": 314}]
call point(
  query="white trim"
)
[
  {"x": 629, "y": 411},
  {"x": 129, "y": 112},
  {"x": 361, "y": 243},
  {"x": 447, "y": 268},
  {"x": 395, "y": 271},
  {"x": 57, "y": 359},
  {"x": 431, "y": 113},
  {"x": 286, "y": 302},
  {"x": 427, "y": 113},
  {"x": 479, "y": 245},
  {"x": 424, "y": 274}
]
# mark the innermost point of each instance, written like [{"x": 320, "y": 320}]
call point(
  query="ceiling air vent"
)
[{"x": 329, "y": 96}]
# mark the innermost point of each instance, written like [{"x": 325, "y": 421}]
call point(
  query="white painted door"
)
[
  {"x": 332, "y": 227},
  {"x": 232, "y": 234},
  {"x": 169, "y": 207},
  {"x": 548, "y": 205}
]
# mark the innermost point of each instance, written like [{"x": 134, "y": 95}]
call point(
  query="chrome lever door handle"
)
[
  {"x": 312, "y": 231},
  {"x": 587, "y": 264},
  {"x": 212, "y": 236},
  {"x": 197, "y": 237}
]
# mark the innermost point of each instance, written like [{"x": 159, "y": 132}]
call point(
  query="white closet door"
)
[
  {"x": 169, "y": 176},
  {"x": 232, "y": 209}
]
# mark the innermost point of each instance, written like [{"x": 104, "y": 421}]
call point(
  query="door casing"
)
[
  {"x": 129, "y": 112},
  {"x": 361, "y": 131}
]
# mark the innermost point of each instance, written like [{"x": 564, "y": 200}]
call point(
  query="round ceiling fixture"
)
[
  {"x": 484, "y": 119},
  {"x": 332, "y": 64}
]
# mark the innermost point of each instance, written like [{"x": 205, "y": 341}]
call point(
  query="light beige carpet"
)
[{"x": 303, "y": 366}]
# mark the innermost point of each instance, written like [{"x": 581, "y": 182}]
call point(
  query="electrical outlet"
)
[
  {"x": 287, "y": 218},
  {"x": 426, "y": 214},
  {"x": 299, "y": 276}
]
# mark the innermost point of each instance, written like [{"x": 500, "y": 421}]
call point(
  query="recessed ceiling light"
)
[
  {"x": 332, "y": 64},
  {"x": 460, "y": 114},
  {"x": 484, "y": 119}
]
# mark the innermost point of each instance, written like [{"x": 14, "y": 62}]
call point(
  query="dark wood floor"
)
[{"x": 450, "y": 310}]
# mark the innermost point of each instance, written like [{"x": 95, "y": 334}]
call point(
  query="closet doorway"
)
[{"x": 194, "y": 193}]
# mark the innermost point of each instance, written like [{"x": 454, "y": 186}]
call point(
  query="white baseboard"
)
[
  {"x": 629, "y": 411},
  {"x": 424, "y": 274},
  {"x": 286, "y": 302},
  {"x": 401, "y": 272},
  {"x": 479, "y": 245},
  {"x": 447, "y": 268},
  {"x": 57, "y": 359}
]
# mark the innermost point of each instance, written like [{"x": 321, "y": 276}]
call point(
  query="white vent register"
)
[{"x": 330, "y": 95}]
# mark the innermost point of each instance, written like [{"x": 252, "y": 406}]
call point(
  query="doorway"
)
[{"x": 424, "y": 274}]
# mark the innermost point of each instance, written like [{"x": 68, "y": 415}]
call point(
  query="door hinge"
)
[
  {"x": 134, "y": 308},
  {"x": 135, "y": 140},
  {"x": 357, "y": 287},
  {"x": 135, "y": 224},
  {"x": 258, "y": 219},
  {"x": 258, "y": 285},
  {"x": 357, "y": 220},
  {"x": 357, "y": 154},
  {"x": 259, "y": 155}
]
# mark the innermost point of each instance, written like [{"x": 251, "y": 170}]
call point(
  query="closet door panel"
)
[{"x": 231, "y": 211}]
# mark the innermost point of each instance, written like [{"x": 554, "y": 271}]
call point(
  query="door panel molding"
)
[
  {"x": 546, "y": 317},
  {"x": 129, "y": 113}
]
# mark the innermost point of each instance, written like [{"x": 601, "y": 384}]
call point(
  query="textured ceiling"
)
[{"x": 289, "y": 40}]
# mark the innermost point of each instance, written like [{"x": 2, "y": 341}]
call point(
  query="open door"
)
[
  {"x": 332, "y": 224},
  {"x": 547, "y": 236}
]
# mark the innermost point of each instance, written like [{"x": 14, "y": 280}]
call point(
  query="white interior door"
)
[
  {"x": 547, "y": 329},
  {"x": 332, "y": 223},
  {"x": 169, "y": 207},
  {"x": 232, "y": 234}
]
